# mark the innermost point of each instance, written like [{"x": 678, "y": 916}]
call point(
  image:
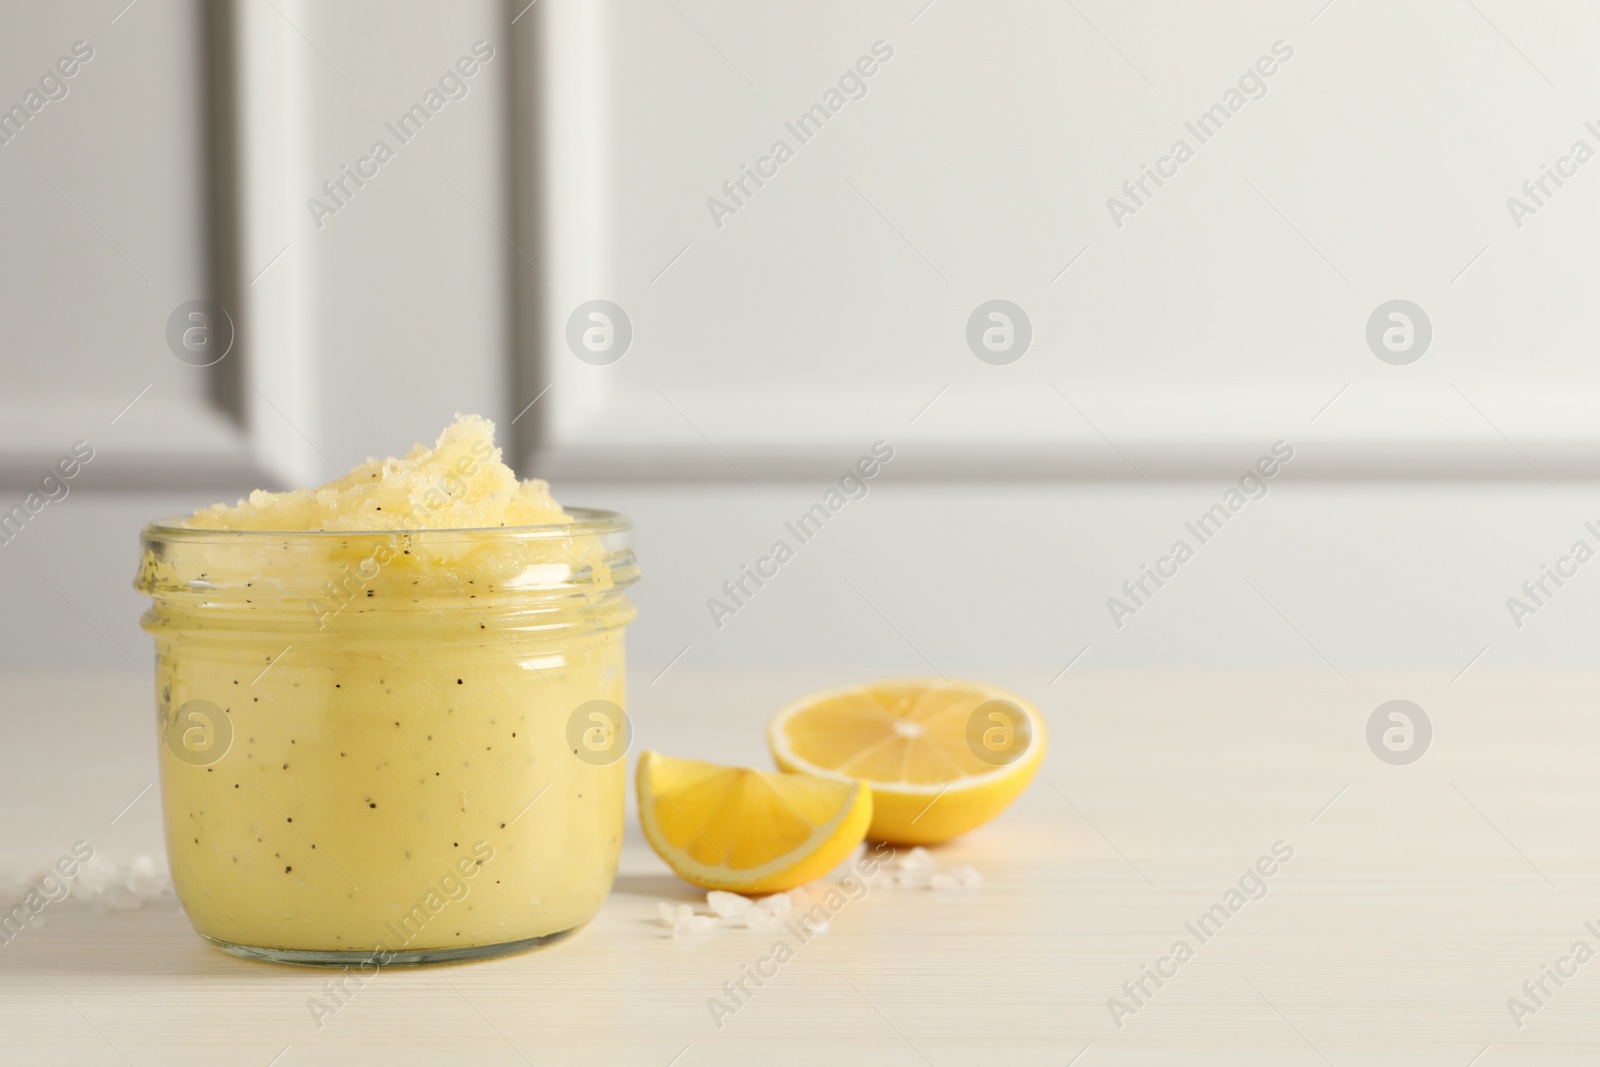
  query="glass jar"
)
[{"x": 402, "y": 746}]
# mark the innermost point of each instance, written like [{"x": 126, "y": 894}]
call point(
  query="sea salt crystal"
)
[
  {"x": 101, "y": 884},
  {"x": 94, "y": 878},
  {"x": 683, "y": 918},
  {"x": 148, "y": 879},
  {"x": 798, "y": 897},
  {"x": 913, "y": 878},
  {"x": 132, "y": 887},
  {"x": 727, "y": 905},
  {"x": 778, "y": 904},
  {"x": 917, "y": 869},
  {"x": 759, "y": 918},
  {"x": 668, "y": 913}
]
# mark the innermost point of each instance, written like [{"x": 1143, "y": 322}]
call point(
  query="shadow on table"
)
[
  {"x": 658, "y": 887},
  {"x": 158, "y": 940},
  {"x": 155, "y": 940}
]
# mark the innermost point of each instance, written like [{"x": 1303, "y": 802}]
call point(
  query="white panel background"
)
[
  {"x": 1227, "y": 312},
  {"x": 806, "y": 328}
]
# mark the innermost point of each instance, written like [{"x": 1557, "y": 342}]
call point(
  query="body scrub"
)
[{"x": 391, "y": 710}]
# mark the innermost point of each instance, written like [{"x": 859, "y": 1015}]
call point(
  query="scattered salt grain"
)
[
  {"x": 917, "y": 869},
  {"x": 776, "y": 905},
  {"x": 681, "y": 918},
  {"x": 727, "y": 905},
  {"x": 918, "y": 859},
  {"x": 148, "y": 879},
  {"x": 913, "y": 878},
  {"x": 101, "y": 884}
]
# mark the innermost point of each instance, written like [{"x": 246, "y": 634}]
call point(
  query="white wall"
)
[
  {"x": 105, "y": 220},
  {"x": 1225, "y": 312},
  {"x": 830, "y": 310}
]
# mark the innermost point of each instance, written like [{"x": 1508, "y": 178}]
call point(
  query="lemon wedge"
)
[
  {"x": 748, "y": 831},
  {"x": 941, "y": 757}
]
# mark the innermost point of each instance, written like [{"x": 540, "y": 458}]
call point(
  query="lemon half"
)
[{"x": 942, "y": 757}]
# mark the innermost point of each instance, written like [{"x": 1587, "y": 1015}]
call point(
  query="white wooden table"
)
[{"x": 1418, "y": 900}]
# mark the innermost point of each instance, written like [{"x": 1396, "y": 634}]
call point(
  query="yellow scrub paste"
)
[{"x": 390, "y": 710}]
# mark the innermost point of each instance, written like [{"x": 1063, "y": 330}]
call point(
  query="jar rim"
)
[
  {"x": 591, "y": 555},
  {"x": 590, "y": 521}
]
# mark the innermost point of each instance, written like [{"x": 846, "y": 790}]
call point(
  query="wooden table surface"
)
[{"x": 1418, "y": 899}]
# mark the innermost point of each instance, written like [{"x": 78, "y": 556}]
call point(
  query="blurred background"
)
[{"x": 1356, "y": 237}]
